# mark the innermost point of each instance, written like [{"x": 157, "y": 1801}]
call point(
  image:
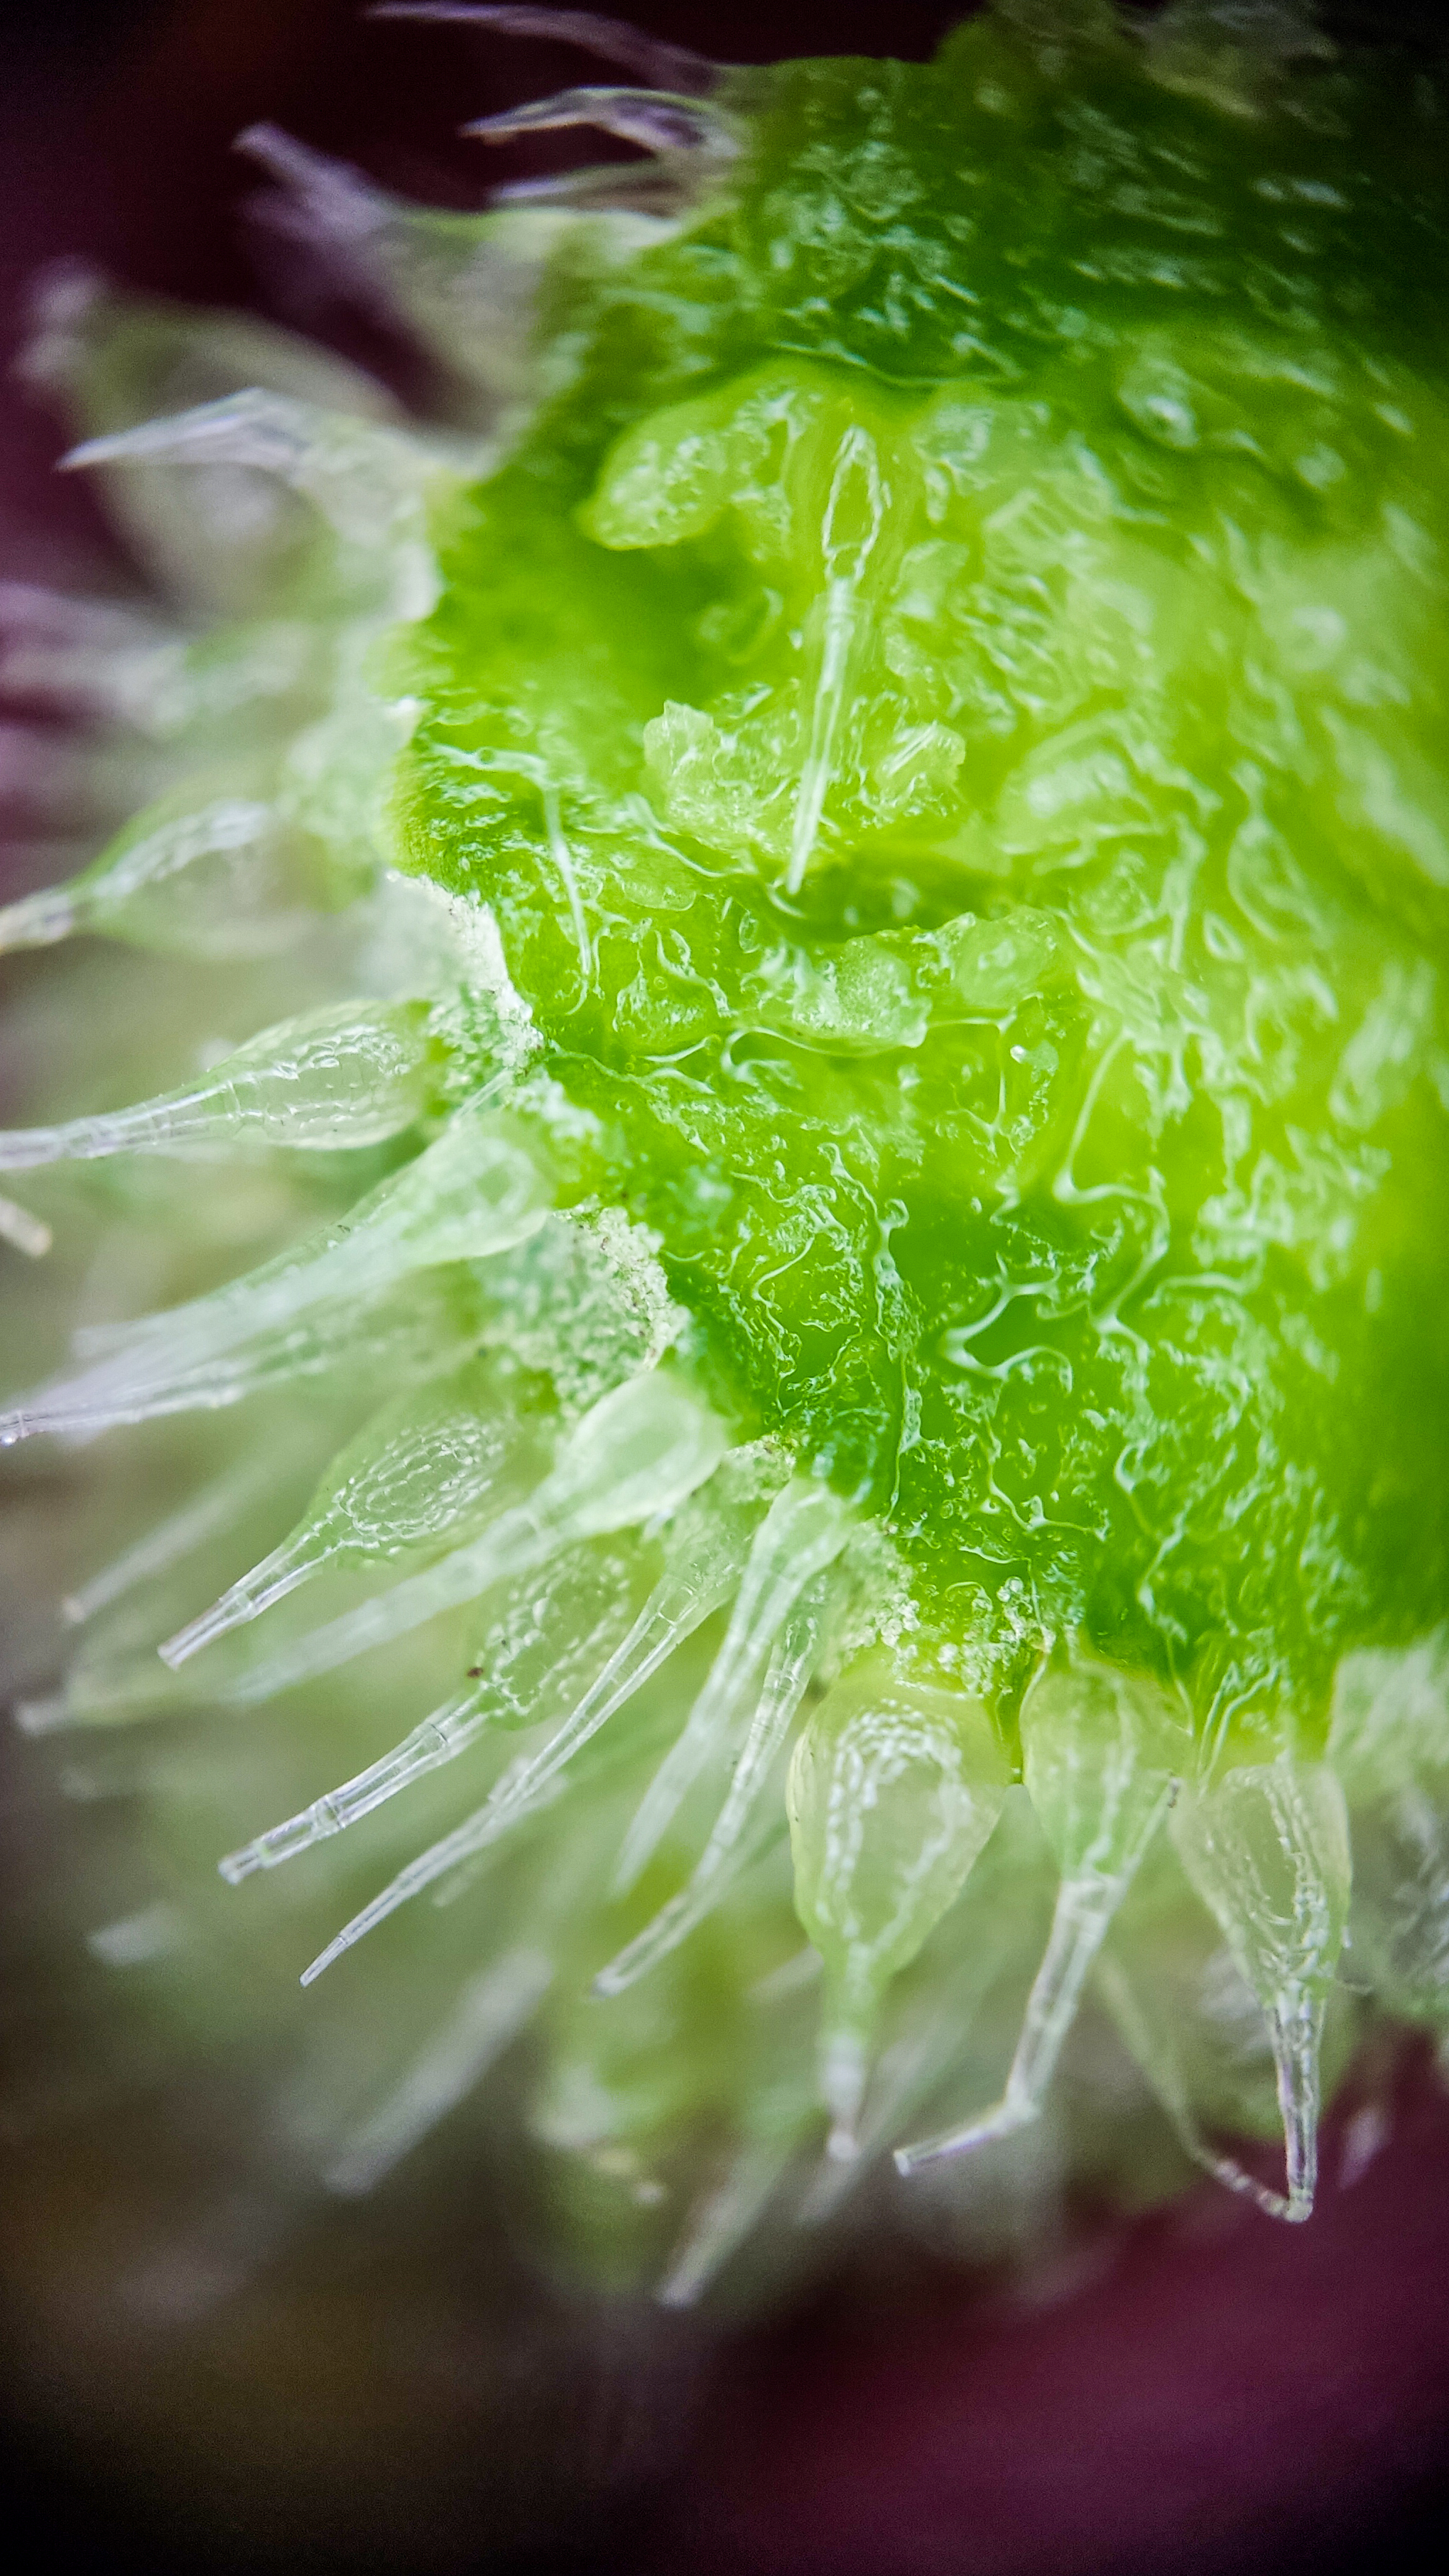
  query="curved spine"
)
[
  {"x": 337, "y": 1079},
  {"x": 894, "y": 1791},
  {"x": 803, "y": 1531},
  {"x": 417, "y": 1473},
  {"x": 661, "y": 124},
  {"x": 802, "y": 1640},
  {"x": 1099, "y": 1746},
  {"x": 1267, "y": 1848},
  {"x": 572, "y": 1618},
  {"x": 663, "y": 66},
  {"x": 369, "y": 482},
  {"x": 476, "y": 1192},
  {"x": 639, "y": 1451}
]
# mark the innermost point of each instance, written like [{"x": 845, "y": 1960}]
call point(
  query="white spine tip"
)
[
  {"x": 233, "y": 1610},
  {"x": 29, "y": 1234},
  {"x": 1001, "y": 2121},
  {"x": 844, "y": 2071},
  {"x": 41, "y": 1716}
]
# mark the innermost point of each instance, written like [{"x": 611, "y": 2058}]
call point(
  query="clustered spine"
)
[{"x": 549, "y": 1471}]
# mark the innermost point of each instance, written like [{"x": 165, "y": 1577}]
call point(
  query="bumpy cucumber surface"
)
[{"x": 865, "y": 843}]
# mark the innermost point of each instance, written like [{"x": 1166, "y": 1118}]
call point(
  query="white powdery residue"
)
[
  {"x": 589, "y": 1304},
  {"x": 584, "y": 1302},
  {"x": 408, "y": 943},
  {"x": 881, "y": 1609},
  {"x": 631, "y": 1258},
  {"x": 562, "y": 1117},
  {"x": 426, "y": 940},
  {"x": 475, "y": 935}
]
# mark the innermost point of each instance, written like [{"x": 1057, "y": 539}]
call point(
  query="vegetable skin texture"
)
[{"x": 925, "y": 718}]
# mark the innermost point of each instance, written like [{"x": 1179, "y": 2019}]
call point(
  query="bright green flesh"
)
[{"x": 1099, "y": 1245}]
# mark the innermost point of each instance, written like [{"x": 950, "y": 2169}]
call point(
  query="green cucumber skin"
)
[
  {"x": 1167, "y": 341},
  {"x": 936, "y": 721}
]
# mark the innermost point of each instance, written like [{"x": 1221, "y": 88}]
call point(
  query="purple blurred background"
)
[{"x": 1197, "y": 2392}]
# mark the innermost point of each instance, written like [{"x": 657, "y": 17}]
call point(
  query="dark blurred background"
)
[{"x": 1198, "y": 2391}]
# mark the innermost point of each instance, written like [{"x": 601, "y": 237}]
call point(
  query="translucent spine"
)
[
  {"x": 90, "y": 656},
  {"x": 403, "y": 1336},
  {"x": 802, "y": 1533},
  {"x": 29, "y": 1234},
  {"x": 1267, "y": 1848},
  {"x": 476, "y": 1192},
  {"x": 705, "y": 1549},
  {"x": 462, "y": 287},
  {"x": 123, "y": 665},
  {"x": 489, "y": 2013},
  {"x": 639, "y": 1451},
  {"x": 338, "y": 1078},
  {"x": 881, "y": 1810},
  {"x": 774, "y": 2120},
  {"x": 803, "y": 1637},
  {"x": 894, "y": 1788},
  {"x": 1389, "y": 1744},
  {"x": 684, "y": 118},
  {"x": 228, "y": 541},
  {"x": 855, "y": 512},
  {"x": 1183, "y": 2021},
  {"x": 529, "y": 1665},
  {"x": 652, "y": 118},
  {"x": 663, "y": 66},
  {"x": 1101, "y": 1749},
  {"x": 369, "y": 482},
  {"x": 932, "y": 2027},
  {"x": 425, "y": 1466},
  {"x": 209, "y": 875},
  {"x": 203, "y": 1516}
]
